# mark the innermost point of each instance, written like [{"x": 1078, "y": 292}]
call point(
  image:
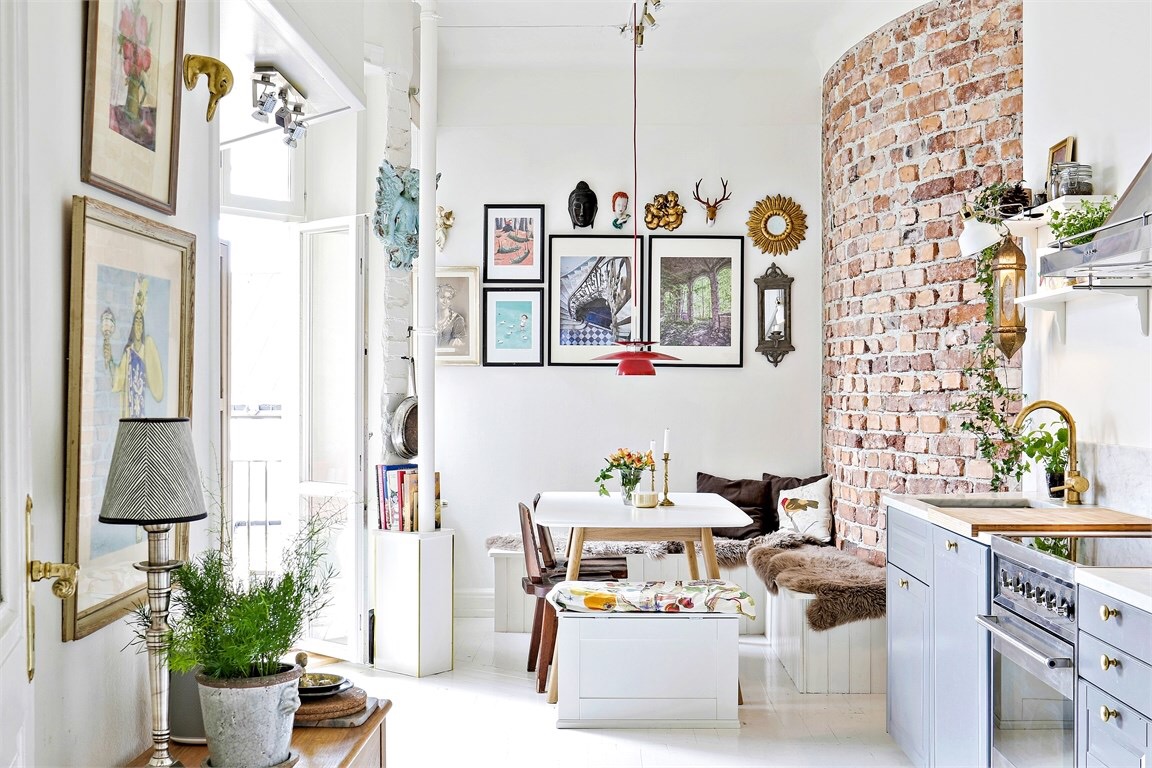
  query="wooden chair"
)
[{"x": 592, "y": 568}]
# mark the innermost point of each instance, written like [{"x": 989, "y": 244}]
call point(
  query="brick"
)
[{"x": 933, "y": 189}]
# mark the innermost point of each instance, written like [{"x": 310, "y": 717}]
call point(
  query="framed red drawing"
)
[{"x": 132, "y": 81}]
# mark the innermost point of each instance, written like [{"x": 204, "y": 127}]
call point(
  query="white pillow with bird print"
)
[{"x": 808, "y": 509}]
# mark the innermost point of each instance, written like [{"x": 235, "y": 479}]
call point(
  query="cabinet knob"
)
[
  {"x": 950, "y": 545},
  {"x": 903, "y": 583},
  {"x": 1108, "y": 714},
  {"x": 1106, "y": 663},
  {"x": 1107, "y": 613}
]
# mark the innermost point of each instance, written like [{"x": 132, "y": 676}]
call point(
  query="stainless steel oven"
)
[{"x": 1033, "y": 630}]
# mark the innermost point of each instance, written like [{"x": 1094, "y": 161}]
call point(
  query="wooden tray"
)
[{"x": 339, "y": 705}]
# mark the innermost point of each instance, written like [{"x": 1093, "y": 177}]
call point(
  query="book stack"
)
[{"x": 397, "y": 488}]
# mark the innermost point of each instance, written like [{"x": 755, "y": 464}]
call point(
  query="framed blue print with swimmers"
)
[
  {"x": 513, "y": 318},
  {"x": 129, "y": 355}
]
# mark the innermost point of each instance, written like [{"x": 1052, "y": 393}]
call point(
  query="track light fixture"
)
[
  {"x": 269, "y": 89},
  {"x": 640, "y": 19}
]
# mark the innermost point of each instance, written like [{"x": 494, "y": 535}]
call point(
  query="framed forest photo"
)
[
  {"x": 129, "y": 355},
  {"x": 697, "y": 299},
  {"x": 132, "y": 86},
  {"x": 513, "y": 318},
  {"x": 514, "y": 243},
  {"x": 591, "y": 296}
]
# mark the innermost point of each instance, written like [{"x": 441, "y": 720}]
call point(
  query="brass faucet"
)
[{"x": 1074, "y": 483}]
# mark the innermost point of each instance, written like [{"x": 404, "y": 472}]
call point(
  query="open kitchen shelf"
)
[{"x": 1056, "y": 300}]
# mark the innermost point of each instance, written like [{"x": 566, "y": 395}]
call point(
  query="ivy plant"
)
[{"x": 988, "y": 400}]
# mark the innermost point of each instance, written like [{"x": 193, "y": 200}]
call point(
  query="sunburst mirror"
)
[{"x": 777, "y": 224}]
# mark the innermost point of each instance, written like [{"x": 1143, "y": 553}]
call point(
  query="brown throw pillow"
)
[
  {"x": 777, "y": 483},
  {"x": 749, "y": 495}
]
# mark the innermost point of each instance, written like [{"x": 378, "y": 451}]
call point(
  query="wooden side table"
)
[{"x": 362, "y": 747}]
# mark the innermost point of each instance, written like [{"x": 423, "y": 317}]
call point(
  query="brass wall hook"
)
[{"x": 219, "y": 78}]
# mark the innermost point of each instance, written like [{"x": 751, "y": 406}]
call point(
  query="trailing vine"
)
[{"x": 989, "y": 399}]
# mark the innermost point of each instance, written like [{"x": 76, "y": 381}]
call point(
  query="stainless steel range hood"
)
[{"x": 1121, "y": 250}]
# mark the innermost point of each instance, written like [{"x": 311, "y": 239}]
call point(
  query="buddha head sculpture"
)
[{"x": 582, "y": 205}]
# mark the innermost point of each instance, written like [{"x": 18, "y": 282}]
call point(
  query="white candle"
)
[
  {"x": 665, "y": 439},
  {"x": 652, "y": 447}
]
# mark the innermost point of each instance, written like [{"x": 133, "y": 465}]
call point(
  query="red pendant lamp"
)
[{"x": 637, "y": 356}]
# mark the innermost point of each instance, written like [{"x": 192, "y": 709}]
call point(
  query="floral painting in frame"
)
[{"x": 132, "y": 85}]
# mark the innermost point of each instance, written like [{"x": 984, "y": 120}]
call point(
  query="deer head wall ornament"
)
[{"x": 710, "y": 207}]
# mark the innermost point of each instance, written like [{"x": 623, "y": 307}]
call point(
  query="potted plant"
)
[
  {"x": 1083, "y": 217},
  {"x": 1050, "y": 449},
  {"x": 235, "y": 632}
]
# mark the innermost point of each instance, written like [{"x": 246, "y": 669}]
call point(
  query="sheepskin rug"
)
[{"x": 846, "y": 588}]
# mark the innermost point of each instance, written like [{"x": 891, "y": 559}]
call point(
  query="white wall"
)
[
  {"x": 503, "y": 434},
  {"x": 1087, "y": 74},
  {"x": 91, "y": 698}
]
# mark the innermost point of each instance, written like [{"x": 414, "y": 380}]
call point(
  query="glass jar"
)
[{"x": 1074, "y": 179}]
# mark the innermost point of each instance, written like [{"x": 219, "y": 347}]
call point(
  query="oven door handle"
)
[{"x": 993, "y": 625}]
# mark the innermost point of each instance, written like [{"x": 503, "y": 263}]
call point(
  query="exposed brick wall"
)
[{"x": 921, "y": 113}]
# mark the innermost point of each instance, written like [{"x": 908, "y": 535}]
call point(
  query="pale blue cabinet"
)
[
  {"x": 938, "y": 656},
  {"x": 960, "y": 651},
  {"x": 909, "y": 670}
]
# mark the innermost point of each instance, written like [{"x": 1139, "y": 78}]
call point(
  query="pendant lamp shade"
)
[
  {"x": 637, "y": 359},
  {"x": 977, "y": 235},
  {"x": 153, "y": 478}
]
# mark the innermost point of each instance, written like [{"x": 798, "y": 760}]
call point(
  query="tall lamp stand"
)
[{"x": 159, "y": 569}]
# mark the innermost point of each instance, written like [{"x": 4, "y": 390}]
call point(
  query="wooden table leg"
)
[
  {"x": 575, "y": 550},
  {"x": 690, "y": 553}
]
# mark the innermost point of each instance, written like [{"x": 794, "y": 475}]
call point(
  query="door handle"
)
[
  {"x": 63, "y": 573},
  {"x": 1106, "y": 612},
  {"x": 903, "y": 583},
  {"x": 992, "y": 624},
  {"x": 1107, "y": 663},
  {"x": 64, "y": 586},
  {"x": 1108, "y": 714},
  {"x": 950, "y": 546}
]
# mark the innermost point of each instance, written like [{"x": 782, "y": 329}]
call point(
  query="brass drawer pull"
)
[
  {"x": 903, "y": 583},
  {"x": 951, "y": 545},
  {"x": 1106, "y": 663},
  {"x": 1108, "y": 714},
  {"x": 1107, "y": 613}
]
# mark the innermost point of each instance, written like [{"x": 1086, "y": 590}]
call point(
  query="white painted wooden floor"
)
[{"x": 486, "y": 712}]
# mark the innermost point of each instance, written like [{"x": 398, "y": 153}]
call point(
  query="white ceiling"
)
[{"x": 693, "y": 34}]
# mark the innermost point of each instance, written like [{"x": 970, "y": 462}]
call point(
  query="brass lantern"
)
[{"x": 1008, "y": 273}]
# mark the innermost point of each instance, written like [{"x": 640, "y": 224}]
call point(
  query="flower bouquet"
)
[{"x": 630, "y": 465}]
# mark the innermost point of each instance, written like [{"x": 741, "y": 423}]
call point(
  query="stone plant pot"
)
[
  {"x": 1054, "y": 479},
  {"x": 248, "y": 720}
]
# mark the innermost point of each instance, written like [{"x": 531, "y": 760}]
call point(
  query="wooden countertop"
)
[
  {"x": 1048, "y": 522},
  {"x": 327, "y": 747}
]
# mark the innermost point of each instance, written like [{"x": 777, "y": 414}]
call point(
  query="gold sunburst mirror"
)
[{"x": 777, "y": 224}]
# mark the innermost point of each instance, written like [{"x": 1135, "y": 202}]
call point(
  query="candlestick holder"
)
[
  {"x": 666, "y": 502},
  {"x": 653, "y": 473}
]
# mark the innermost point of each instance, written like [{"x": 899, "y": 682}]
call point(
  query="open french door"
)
[{"x": 333, "y": 430}]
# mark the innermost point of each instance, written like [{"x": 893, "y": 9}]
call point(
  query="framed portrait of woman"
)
[
  {"x": 129, "y": 355},
  {"x": 458, "y": 315}
]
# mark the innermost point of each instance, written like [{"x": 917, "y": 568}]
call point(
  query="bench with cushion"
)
[{"x": 649, "y": 654}]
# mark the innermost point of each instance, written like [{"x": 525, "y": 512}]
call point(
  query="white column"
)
[{"x": 426, "y": 321}]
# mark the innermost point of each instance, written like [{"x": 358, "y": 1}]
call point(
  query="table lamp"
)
[{"x": 153, "y": 482}]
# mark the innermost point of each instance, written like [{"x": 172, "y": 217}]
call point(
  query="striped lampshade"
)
[{"x": 153, "y": 478}]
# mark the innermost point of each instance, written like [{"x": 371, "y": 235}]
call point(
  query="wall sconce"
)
[
  {"x": 774, "y": 310},
  {"x": 977, "y": 235},
  {"x": 1008, "y": 273}
]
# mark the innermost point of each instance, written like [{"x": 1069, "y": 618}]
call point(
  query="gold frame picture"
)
[
  {"x": 132, "y": 86},
  {"x": 1063, "y": 151},
  {"x": 129, "y": 354}
]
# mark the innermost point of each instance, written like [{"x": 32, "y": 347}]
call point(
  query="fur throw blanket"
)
[
  {"x": 729, "y": 552},
  {"x": 846, "y": 588}
]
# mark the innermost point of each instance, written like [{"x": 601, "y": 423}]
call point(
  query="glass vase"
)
[{"x": 629, "y": 479}]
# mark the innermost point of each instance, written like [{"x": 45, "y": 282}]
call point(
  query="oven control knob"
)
[
  {"x": 1004, "y": 579},
  {"x": 1039, "y": 597},
  {"x": 1065, "y": 609},
  {"x": 1018, "y": 585},
  {"x": 1028, "y": 591},
  {"x": 1051, "y": 604}
]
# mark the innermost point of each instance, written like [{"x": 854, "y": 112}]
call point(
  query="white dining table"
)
[{"x": 593, "y": 517}]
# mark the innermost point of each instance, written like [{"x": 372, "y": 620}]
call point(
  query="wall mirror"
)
[{"x": 774, "y": 310}]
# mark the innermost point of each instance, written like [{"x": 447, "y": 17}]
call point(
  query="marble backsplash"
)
[{"x": 1121, "y": 479}]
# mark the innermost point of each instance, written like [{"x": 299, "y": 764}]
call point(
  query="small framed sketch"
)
[
  {"x": 458, "y": 315},
  {"x": 513, "y": 318},
  {"x": 697, "y": 300},
  {"x": 591, "y": 294},
  {"x": 514, "y": 243}
]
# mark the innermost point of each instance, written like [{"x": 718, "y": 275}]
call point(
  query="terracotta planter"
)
[{"x": 248, "y": 720}]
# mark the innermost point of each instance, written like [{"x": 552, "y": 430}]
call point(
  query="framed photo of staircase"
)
[
  {"x": 594, "y": 296},
  {"x": 514, "y": 243}
]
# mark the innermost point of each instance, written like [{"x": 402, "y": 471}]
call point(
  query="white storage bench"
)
[
  {"x": 512, "y": 609},
  {"x": 648, "y": 670},
  {"x": 850, "y": 658}
]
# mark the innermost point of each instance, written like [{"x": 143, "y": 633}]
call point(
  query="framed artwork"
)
[
  {"x": 132, "y": 85},
  {"x": 513, "y": 318},
  {"x": 129, "y": 354},
  {"x": 591, "y": 296},
  {"x": 514, "y": 243},
  {"x": 458, "y": 315},
  {"x": 1062, "y": 152},
  {"x": 697, "y": 300}
]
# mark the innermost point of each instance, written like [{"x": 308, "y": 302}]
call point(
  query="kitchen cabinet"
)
[
  {"x": 1114, "y": 714},
  {"x": 938, "y": 663}
]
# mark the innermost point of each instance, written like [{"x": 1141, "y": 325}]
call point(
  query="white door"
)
[
  {"x": 15, "y": 438},
  {"x": 331, "y": 417}
]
